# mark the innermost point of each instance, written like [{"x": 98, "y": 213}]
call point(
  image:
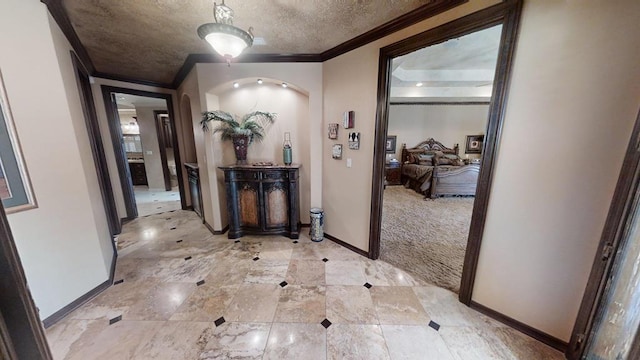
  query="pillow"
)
[{"x": 424, "y": 159}]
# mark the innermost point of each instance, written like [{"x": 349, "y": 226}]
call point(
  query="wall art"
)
[
  {"x": 354, "y": 140},
  {"x": 333, "y": 131},
  {"x": 348, "y": 119},
  {"x": 336, "y": 151},
  {"x": 15, "y": 188}
]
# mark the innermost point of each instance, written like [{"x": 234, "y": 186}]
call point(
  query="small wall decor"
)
[
  {"x": 333, "y": 131},
  {"x": 15, "y": 188},
  {"x": 348, "y": 119},
  {"x": 336, "y": 151},
  {"x": 390, "y": 145},
  {"x": 354, "y": 140},
  {"x": 474, "y": 144}
]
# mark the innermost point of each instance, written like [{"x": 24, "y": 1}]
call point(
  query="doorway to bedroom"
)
[
  {"x": 426, "y": 83},
  {"x": 438, "y": 109}
]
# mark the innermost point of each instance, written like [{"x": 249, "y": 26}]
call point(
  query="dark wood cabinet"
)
[
  {"x": 262, "y": 200},
  {"x": 138, "y": 173},
  {"x": 393, "y": 174},
  {"x": 193, "y": 175}
]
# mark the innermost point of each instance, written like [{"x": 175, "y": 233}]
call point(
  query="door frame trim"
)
[
  {"x": 118, "y": 147},
  {"x": 157, "y": 119},
  {"x": 616, "y": 226},
  {"x": 507, "y": 14}
]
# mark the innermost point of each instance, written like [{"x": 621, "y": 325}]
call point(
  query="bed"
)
[{"x": 435, "y": 170}]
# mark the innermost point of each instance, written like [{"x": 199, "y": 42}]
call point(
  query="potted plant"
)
[{"x": 242, "y": 132}]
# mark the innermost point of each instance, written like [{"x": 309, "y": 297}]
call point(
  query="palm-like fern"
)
[{"x": 252, "y": 124}]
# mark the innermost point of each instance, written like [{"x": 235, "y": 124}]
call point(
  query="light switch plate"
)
[
  {"x": 349, "y": 162},
  {"x": 149, "y": 152}
]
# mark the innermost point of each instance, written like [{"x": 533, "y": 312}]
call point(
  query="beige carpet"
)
[{"x": 427, "y": 238}]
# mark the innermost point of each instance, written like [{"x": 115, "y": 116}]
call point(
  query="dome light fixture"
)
[
  {"x": 226, "y": 39},
  {"x": 236, "y": 85},
  {"x": 260, "y": 81},
  {"x": 284, "y": 85},
  {"x": 419, "y": 84}
]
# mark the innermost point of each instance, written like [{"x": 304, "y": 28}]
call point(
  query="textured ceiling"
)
[{"x": 150, "y": 39}]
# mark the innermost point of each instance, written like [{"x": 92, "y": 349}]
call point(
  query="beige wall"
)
[
  {"x": 575, "y": 85},
  {"x": 292, "y": 108},
  {"x": 574, "y": 96},
  {"x": 64, "y": 244},
  {"x": 449, "y": 124},
  {"x": 149, "y": 139},
  {"x": 203, "y": 88},
  {"x": 350, "y": 83}
]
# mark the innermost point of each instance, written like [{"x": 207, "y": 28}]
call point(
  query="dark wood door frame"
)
[
  {"x": 613, "y": 237},
  {"x": 21, "y": 332},
  {"x": 118, "y": 146},
  {"x": 163, "y": 147},
  {"x": 507, "y": 14},
  {"x": 97, "y": 148}
]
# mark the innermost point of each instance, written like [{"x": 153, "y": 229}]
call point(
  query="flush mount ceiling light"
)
[
  {"x": 260, "y": 81},
  {"x": 236, "y": 85},
  {"x": 284, "y": 85},
  {"x": 419, "y": 84},
  {"x": 226, "y": 39}
]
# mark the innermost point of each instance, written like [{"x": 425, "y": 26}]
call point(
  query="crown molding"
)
[
  {"x": 59, "y": 14},
  {"x": 108, "y": 76},
  {"x": 424, "y": 12}
]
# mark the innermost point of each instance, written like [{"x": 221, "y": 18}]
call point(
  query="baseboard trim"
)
[
  {"x": 524, "y": 328},
  {"x": 60, "y": 314},
  {"x": 348, "y": 246},
  {"x": 216, "y": 232}
]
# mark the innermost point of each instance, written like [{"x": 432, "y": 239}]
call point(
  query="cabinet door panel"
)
[
  {"x": 276, "y": 205},
  {"x": 248, "y": 204}
]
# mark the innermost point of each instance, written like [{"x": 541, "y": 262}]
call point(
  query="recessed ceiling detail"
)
[{"x": 150, "y": 40}]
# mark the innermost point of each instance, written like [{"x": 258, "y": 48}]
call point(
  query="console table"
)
[{"x": 262, "y": 200}]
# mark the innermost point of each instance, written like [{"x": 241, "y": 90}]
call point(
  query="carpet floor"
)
[{"x": 425, "y": 237}]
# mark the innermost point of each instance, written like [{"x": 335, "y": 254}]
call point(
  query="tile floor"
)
[
  {"x": 155, "y": 201},
  {"x": 182, "y": 293}
]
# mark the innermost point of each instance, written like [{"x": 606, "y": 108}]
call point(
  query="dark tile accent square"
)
[
  {"x": 326, "y": 323},
  {"x": 118, "y": 282},
  {"x": 168, "y": 219},
  {"x": 115, "y": 319},
  {"x": 295, "y": 241},
  {"x": 325, "y": 259},
  {"x": 284, "y": 283},
  {"x": 256, "y": 258},
  {"x": 201, "y": 282},
  {"x": 179, "y": 241},
  {"x": 159, "y": 207},
  {"x": 367, "y": 285},
  {"x": 237, "y": 241},
  {"x": 220, "y": 321},
  {"x": 172, "y": 211},
  {"x": 434, "y": 325},
  {"x": 188, "y": 258},
  {"x": 173, "y": 228}
]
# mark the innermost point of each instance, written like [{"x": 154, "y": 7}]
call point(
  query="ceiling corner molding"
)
[
  {"x": 424, "y": 12},
  {"x": 132, "y": 80},
  {"x": 193, "y": 59},
  {"x": 59, "y": 14}
]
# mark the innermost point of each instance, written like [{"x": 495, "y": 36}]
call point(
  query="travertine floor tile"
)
[
  {"x": 237, "y": 341},
  {"x": 254, "y": 303},
  {"x": 415, "y": 342},
  {"x": 296, "y": 341},
  {"x": 350, "y": 304},
  {"x": 347, "y": 342},
  {"x": 342, "y": 272},
  {"x": 398, "y": 305},
  {"x": 300, "y": 303},
  {"x": 242, "y": 312}
]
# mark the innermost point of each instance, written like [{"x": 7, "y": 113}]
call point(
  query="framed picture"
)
[
  {"x": 333, "y": 131},
  {"x": 354, "y": 140},
  {"x": 15, "y": 187},
  {"x": 390, "y": 145},
  {"x": 347, "y": 119},
  {"x": 474, "y": 144},
  {"x": 336, "y": 151}
]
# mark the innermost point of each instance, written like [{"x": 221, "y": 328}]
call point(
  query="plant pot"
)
[{"x": 240, "y": 145}]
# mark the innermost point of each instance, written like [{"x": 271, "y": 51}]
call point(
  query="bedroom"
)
[{"x": 437, "y": 119}]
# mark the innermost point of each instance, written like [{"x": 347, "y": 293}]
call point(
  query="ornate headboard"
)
[{"x": 429, "y": 145}]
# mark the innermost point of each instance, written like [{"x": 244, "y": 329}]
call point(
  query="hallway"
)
[{"x": 182, "y": 293}]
